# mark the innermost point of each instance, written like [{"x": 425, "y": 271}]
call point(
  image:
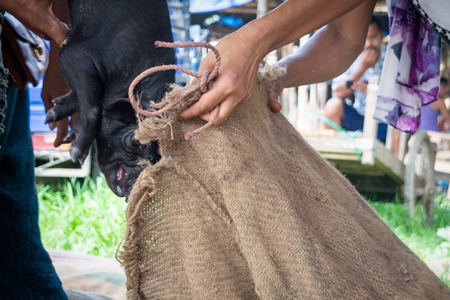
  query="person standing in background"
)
[
  {"x": 26, "y": 270},
  {"x": 354, "y": 83},
  {"x": 431, "y": 112}
]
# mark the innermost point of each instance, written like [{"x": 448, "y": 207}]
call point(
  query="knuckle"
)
[{"x": 203, "y": 108}]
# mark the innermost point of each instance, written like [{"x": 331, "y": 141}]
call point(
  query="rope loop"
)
[{"x": 206, "y": 80}]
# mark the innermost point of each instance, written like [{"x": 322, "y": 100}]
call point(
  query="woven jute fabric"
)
[{"x": 248, "y": 210}]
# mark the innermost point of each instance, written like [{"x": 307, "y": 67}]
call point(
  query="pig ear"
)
[{"x": 120, "y": 110}]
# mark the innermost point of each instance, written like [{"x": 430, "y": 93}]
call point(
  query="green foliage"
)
[
  {"x": 84, "y": 217},
  {"x": 422, "y": 239},
  {"x": 430, "y": 243}
]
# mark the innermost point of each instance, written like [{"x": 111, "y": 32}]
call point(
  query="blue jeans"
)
[
  {"x": 353, "y": 121},
  {"x": 26, "y": 271}
]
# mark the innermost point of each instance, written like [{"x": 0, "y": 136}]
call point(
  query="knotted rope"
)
[{"x": 206, "y": 80}]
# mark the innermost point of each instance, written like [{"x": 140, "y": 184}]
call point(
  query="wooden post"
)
[
  {"x": 389, "y": 137},
  {"x": 303, "y": 112},
  {"x": 289, "y": 104},
  {"x": 402, "y": 145},
  {"x": 261, "y": 9},
  {"x": 370, "y": 125}
]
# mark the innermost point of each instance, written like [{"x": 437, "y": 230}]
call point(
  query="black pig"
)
[{"x": 111, "y": 43}]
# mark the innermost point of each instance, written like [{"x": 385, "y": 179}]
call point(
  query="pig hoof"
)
[
  {"x": 50, "y": 117},
  {"x": 70, "y": 137},
  {"x": 77, "y": 155}
]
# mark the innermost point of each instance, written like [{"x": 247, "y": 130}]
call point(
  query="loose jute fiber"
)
[{"x": 248, "y": 210}]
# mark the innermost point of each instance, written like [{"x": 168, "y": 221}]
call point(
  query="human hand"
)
[
  {"x": 369, "y": 57},
  {"x": 277, "y": 89},
  {"x": 55, "y": 85},
  {"x": 38, "y": 16},
  {"x": 360, "y": 86},
  {"x": 236, "y": 80}
]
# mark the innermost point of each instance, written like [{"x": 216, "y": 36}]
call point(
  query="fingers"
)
[
  {"x": 63, "y": 129},
  {"x": 37, "y": 16},
  {"x": 355, "y": 86},
  {"x": 226, "y": 92},
  {"x": 208, "y": 101},
  {"x": 202, "y": 107},
  {"x": 221, "y": 93},
  {"x": 370, "y": 56},
  {"x": 226, "y": 109},
  {"x": 206, "y": 104},
  {"x": 274, "y": 105},
  {"x": 55, "y": 30},
  {"x": 49, "y": 26},
  {"x": 235, "y": 83},
  {"x": 228, "y": 99},
  {"x": 360, "y": 86}
]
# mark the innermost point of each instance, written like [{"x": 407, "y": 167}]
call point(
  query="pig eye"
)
[{"x": 130, "y": 143}]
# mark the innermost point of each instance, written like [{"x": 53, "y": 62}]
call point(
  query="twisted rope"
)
[{"x": 206, "y": 80}]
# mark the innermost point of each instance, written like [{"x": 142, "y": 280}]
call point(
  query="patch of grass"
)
[
  {"x": 81, "y": 216},
  {"x": 422, "y": 239}
]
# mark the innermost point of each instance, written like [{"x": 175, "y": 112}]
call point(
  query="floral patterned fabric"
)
[{"x": 410, "y": 77}]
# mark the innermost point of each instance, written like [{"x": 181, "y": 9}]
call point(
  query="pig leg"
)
[
  {"x": 87, "y": 97},
  {"x": 64, "y": 107}
]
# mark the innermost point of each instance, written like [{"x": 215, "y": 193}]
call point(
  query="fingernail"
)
[{"x": 52, "y": 126}]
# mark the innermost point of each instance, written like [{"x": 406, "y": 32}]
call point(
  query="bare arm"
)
[
  {"x": 331, "y": 50},
  {"x": 38, "y": 16},
  {"x": 243, "y": 50},
  {"x": 342, "y": 91},
  {"x": 55, "y": 83}
]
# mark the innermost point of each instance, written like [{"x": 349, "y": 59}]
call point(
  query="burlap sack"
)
[{"x": 249, "y": 210}]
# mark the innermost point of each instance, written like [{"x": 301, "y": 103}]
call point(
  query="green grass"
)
[
  {"x": 413, "y": 231},
  {"x": 430, "y": 243},
  {"x": 86, "y": 217}
]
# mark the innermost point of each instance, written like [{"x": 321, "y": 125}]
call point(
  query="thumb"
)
[{"x": 274, "y": 105}]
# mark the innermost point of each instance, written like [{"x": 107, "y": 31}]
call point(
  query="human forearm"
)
[
  {"x": 331, "y": 50},
  {"x": 55, "y": 83},
  {"x": 342, "y": 91},
  {"x": 243, "y": 50},
  {"x": 325, "y": 56},
  {"x": 291, "y": 20}
]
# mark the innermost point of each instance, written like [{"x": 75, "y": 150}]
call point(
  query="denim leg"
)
[
  {"x": 26, "y": 271},
  {"x": 3, "y": 87}
]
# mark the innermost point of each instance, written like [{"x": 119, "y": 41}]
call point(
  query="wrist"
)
[
  {"x": 255, "y": 39},
  {"x": 358, "y": 74}
]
